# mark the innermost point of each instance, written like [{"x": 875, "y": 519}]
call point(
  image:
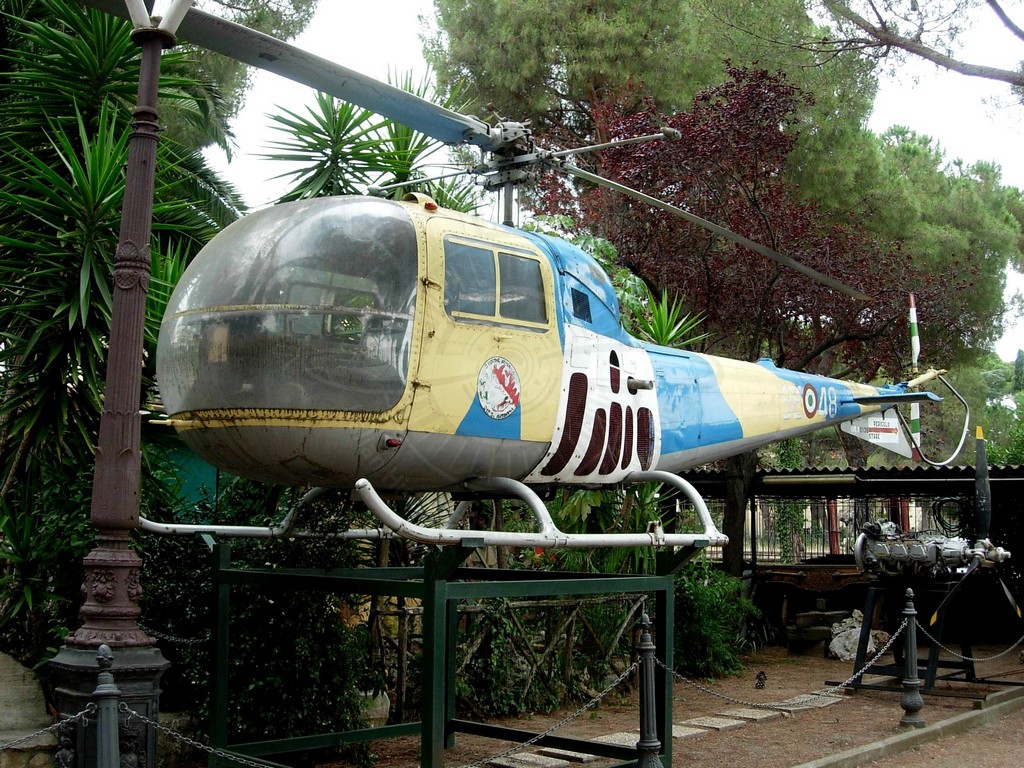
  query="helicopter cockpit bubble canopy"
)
[{"x": 301, "y": 306}]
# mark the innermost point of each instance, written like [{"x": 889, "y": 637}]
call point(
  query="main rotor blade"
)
[
  {"x": 259, "y": 50},
  {"x": 728, "y": 234}
]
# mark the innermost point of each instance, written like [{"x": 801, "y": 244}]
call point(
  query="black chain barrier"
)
[
  {"x": 235, "y": 758},
  {"x": 132, "y": 714},
  {"x": 81, "y": 718},
  {"x": 804, "y": 699},
  {"x": 979, "y": 659},
  {"x": 176, "y": 640}
]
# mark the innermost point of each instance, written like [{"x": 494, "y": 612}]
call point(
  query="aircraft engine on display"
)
[{"x": 883, "y": 549}]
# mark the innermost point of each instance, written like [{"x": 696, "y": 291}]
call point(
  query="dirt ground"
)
[{"x": 785, "y": 741}]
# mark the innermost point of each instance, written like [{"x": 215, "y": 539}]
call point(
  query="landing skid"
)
[{"x": 547, "y": 534}]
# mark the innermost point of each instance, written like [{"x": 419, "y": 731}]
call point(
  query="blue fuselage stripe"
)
[{"x": 693, "y": 411}]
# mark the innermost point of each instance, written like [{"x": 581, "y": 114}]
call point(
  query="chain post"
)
[
  {"x": 107, "y": 696},
  {"x": 649, "y": 746},
  {"x": 911, "y": 701}
]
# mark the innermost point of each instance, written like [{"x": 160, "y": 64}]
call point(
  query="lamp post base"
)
[{"x": 137, "y": 671}]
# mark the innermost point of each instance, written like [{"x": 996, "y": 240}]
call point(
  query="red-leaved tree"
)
[{"x": 729, "y": 167}]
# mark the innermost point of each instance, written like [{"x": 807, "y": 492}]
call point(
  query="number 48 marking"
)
[{"x": 823, "y": 401}]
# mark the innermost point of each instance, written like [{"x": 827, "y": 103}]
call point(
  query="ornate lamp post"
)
[{"x": 112, "y": 588}]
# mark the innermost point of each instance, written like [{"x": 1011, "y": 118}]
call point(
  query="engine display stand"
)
[{"x": 928, "y": 668}]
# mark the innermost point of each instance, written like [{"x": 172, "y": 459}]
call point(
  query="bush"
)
[
  {"x": 44, "y": 534},
  {"x": 296, "y": 667},
  {"x": 710, "y": 622}
]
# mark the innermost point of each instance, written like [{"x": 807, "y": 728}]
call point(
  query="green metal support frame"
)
[{"x": 440, "y": 584}]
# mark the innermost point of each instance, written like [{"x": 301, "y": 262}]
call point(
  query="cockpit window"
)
[
  {"x": 302, "y": 306},
  {"x": 469, "y": 279},
  {"x": 486, "y": 284},
  {"x": 522, "y": 289}
]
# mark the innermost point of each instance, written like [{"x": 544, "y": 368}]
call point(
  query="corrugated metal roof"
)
[{"x": 919, "y": 480}]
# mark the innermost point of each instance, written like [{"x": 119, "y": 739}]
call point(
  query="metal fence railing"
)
[{"x": 792, "y": 530}]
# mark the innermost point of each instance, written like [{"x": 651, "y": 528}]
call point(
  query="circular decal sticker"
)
[
  {"x": 497, "y": 388},
  {"x": 810, "y": 401}
]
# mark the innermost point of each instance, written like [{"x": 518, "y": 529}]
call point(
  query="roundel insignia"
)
[
  {"x": 810, "y": 401},
  {"x": 498, "y": 388}
]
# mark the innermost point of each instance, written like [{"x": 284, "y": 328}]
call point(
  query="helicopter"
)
[{"x": 394, "y": 346}]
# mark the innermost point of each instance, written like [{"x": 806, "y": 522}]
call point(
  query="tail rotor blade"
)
[
  {"x": 915, "y": 337},
  {"x": 915, "y": 355},
  {"x": 970, "y": 569}
]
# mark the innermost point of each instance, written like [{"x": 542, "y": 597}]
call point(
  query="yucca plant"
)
[
  {"x": 337, "y": 148},
  {"x": 665, "y": 321},
  {"x": 57, "y": 234},
  {"x": 331, "y": 145}
]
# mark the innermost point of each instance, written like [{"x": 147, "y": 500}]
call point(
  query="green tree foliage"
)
[
  {"x": 558, "y": 64},
  {"x": 554, "y": 62},
  {"x": 66, "y": 101},
  {"x": 337, "y": 148},
  {"x": 998, "y": 377},
  {"x": 41, "y": 558},
  {"x": 962, "y": 221},
  {"x": 1011, "y": 453},
  {"x": 711, "y": 618},
  {"x": 834, "y": 161}
]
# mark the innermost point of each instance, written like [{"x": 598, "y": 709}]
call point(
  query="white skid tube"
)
[
  {"x": 286, "y": 530},
  {"x": 548, "y": 536}
]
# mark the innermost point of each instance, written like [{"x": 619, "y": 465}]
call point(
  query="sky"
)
[{"x": 971, "y": 119}]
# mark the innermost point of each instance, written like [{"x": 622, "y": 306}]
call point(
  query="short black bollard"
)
[
  {"x": 911, "y": 700},
  {"x": 107, "y": 696},
  {"x": 649, "y": 747}
]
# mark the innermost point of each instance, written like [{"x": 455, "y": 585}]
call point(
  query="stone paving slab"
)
[
  {"x": 565, "y": 754},
  {"x": 715, "y": 723},
  {"x": 805, "y": 702},
  {"x": 527, "y": 760},
  {"x": 751, "y": 713},
  {"x": 623, "y": 739},
  {"x": 686, "y": 732}
]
